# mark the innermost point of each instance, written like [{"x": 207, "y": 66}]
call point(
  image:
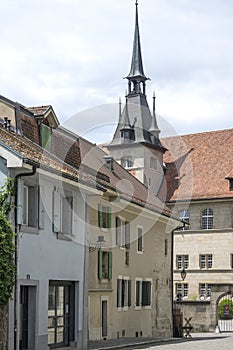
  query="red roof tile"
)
[{"x": 198, "y": 164}]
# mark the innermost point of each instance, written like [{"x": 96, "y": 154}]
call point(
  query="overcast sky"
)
[{"x": 74, "y": 54}]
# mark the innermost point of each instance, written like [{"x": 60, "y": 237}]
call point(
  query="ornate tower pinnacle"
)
[{"x": 136, "y": 76}]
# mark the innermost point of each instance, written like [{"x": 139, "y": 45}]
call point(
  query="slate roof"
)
[{"x": 198, "y": 165}]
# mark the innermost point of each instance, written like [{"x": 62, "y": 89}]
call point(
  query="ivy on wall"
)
[{"x": 7, "y": 247}]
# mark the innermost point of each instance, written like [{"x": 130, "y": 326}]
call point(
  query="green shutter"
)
[
  {"x": 45, "y": 137},
  {"x": 109, "y": 217},
  {"x": 110, "y": 265},
  {"x": 100, "y": 217},
  {"x": 100, "y": 264}
]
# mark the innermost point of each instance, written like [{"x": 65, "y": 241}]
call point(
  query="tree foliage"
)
[
  {"x": 225, "y": 308},
  {"x": 7, "y": 247}
]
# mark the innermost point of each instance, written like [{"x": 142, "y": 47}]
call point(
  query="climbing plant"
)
[{"x": 7, "y": 247}]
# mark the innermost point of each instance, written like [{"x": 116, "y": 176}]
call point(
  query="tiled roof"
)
[
  {"x": 35, "y": 154},
  {"x": 198, "y": 165},
  {"x": 126, "y": 184}
]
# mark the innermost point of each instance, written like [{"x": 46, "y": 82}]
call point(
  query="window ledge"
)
[
  {"x": 28, "y": 229},
  {"x": 63, "y": 237}
]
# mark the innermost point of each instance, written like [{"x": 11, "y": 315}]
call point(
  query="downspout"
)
[
  {"x": 17, "y": 177},
  {"x": 172, "y": 279}
]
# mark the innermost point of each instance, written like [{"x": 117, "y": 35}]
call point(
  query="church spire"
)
[{"x": 136, "y": 75}]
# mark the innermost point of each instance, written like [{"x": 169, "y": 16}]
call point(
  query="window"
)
[
  {"x": 181, "y": 291},
  {"x": 140, "y": 242},
  {"x": 143, "y": 291},
  {"x": 104, "y": 265},
  {"x": 122, "y": 233},
  {"x": 204, "y": 290},
  {"x": 182, "y": 261},
  {"x": 207, "y": 219},
  {"x": 231, "y": 262},
  {"x": 165, "y": 247},
  {"x": 184, "y": 216},
  {"x": 62, "y": 212},
  {"x": 104, "y": 216},
  {"x": 146, "y": 293},
  {"x": 153, "y": 163},
  {"x": 206, "y": 261},
  {"x": 127, "y": 162},
  {"x": 30, "y": 207},
  {"x": 123, "y": 292}
]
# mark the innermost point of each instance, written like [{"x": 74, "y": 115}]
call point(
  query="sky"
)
[{"x": 74, "y": 54}]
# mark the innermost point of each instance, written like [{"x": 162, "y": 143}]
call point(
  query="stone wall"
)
[
  {"x": 200, "y": 311},
  {"x": 3, "y": 328}
]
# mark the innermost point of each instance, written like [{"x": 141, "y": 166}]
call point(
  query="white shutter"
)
[
  {"x": 56, "y": 212},
  {"x": 41, "y": 208},
  {"x": 20, "y": 201}
]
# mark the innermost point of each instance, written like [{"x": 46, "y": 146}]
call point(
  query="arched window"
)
[{"x": 207, "y": 218}]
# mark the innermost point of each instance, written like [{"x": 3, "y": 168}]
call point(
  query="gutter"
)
[
  {"x": 17, "y": 177},
  {"x": 172, "y": 279}
]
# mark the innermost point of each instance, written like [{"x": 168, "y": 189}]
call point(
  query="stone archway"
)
[{"x": 218, "y": 291}]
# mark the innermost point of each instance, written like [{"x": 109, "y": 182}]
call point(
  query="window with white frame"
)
[
  {"x": 104, "y": 216},
  {"x": 143, "y": 292},
  {"x": 123, "y": 292},
  {"x": 182, "y": 261},
  {"x": 206, "y": 261},
  {"x": 140, "y": 240},
  {"x": 62, "y": 212},
  {"x": 184, "y": 216},
  {"x": 122, "y": 233},
  {"x": 127, "y": 162},
  {"x": 207, "y": 218},
  {"x": 204, "y": 290},
  {"x": 181, "y": 291}
]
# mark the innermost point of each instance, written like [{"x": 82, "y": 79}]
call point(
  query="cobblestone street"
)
[{"x": 200, "y": 342}]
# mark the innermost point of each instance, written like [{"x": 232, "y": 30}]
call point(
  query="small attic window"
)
[{"x": 231, "y": 184}]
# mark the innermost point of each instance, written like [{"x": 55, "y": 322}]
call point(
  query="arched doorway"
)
[{"x": 225, "y": 312}]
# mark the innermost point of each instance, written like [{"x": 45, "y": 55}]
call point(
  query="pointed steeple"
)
[
  {"x": 154, "y": 129},
  {"x": 136, "y": 74}
]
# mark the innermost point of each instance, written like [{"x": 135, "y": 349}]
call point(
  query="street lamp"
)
[{"x": 183, "y": 274}]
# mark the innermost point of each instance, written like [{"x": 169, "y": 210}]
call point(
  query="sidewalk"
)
[{"x": 124, "y": 343}]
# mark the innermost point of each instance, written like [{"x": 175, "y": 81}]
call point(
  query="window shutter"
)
[
  {"x": 100, "y": 216},
  {"x": 41, "y": 208},
  {"x": 129, "y": 292},
  {"x": 100, "y": 264},
  {"x": 56, "y": 212},
  {"x": 110, "y": 265},
  {"x": 109, "y": 217},
  {"x": 46, "y": 137},
  {"x": 20, "y": 201},
  {"x": 127, "y": 235},
  {"x": 118, "y": 232}
]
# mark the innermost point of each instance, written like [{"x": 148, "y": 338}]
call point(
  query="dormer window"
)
[{"x": 128, "y": 134}]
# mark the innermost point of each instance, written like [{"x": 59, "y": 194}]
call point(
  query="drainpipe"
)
[
  {"x": 172, "y": 267},
  {"x": 17, "y": 177}
]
